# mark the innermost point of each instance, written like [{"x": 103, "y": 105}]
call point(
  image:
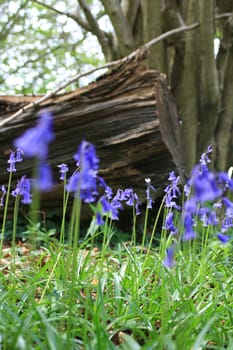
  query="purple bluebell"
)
[
  {"x": 223, "y": 238},
  {"x": 34, "y": 142},
  {"x": 189, "y": 232},
  {"x": 169, "y": 260},
  {"x": 86, "y": 157},
  {"x": 23, "y": 189},
  {"x": 108, "y": 192},
  {"x": 11, "y": 161},
  {"x": 204, "y": 160},
  {"x": 187, "y": 189},
  {"x": 172, "y": 191},
  {"x": 149, "y": 187},
  {"x": 120, "y": 195},
  {"x": 229, "y": 206},
  {"x": 131, "y": 199},
  {"x": 99, "y": 219},
  {"x": 225, "y": 181},
  {"x": 205, "y": 186},
  {"x": 85, "y": 181},
  {"x": 227, "y": 223},
  {"x": 3, "y": 194},
  {"x": 18, "y": 156},
  {"x": 63, "y": 170},
  {"x": 44, "y": 181},
  {"x": 169, "y": 223}
]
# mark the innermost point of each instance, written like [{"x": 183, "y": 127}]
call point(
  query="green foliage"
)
[
  {"x": 123, "y": 300},
  {"x": 41, "y": 48}
]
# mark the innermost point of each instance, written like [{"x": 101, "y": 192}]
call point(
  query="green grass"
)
[{"x": 123, "y": 298}]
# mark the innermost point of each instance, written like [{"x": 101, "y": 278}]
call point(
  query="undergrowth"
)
[{"x": 84, "y": 292}]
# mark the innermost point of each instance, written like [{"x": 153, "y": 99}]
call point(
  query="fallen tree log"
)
[{"x": 120, "y": 114}]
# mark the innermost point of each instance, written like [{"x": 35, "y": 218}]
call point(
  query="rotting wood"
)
[{"x": 118, "y": 114}]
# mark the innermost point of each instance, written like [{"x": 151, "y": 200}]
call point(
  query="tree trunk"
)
[{"x": 119, "y": 114}]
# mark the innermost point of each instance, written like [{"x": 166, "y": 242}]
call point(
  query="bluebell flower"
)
[
  {"x": 149, "y": 187},
  {"x": 34, "y": 142},
  {"x": 18, "y": 157},
  {"x": 172, "y": 191},
  {"x": 120, "y": 195},
  {"x": 225, "y": 181},
  {"x": 3, "y": 194},
  {"x": 44, "y": 180},
  {"x": 205, "y": 186},
  {"x": 23, "y": 189},
  {"x": 86, "y": 157},
  {"x": 204, "y": 160},
  {"x": 63, "y": 170},
  {"x": 189, "y": 233},
  {"x": 229, "y": 206},
  {"x": 132, "y": 199},
  {"x": 99, "y": 219},
  {"x": 169, "y": 260},
  {"x": 223, "y": 238},
  {"x": 187, "y": 189},
  {"x": 108, "y": 192},
  {"x": 11, "y": 161},
  {"x": 227, "y": 223},
  {"x": 169, "y": 223},
  {"x": 85, "y": 180}
]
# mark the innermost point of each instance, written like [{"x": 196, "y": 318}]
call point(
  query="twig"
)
[
  {"x": 107, "y": 65},
  {"x": 75, "y": 17}
]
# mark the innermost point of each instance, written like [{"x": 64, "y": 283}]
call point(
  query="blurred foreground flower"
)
[
  {"x": 169, "y": 260},
  {"x": 35, "y": 143}
]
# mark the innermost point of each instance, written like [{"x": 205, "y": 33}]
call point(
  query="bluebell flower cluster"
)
[
  {"x": 15, "y": 157},
  {"x": 204, "y": 187},
  {"x": 85, "y": 181},
  {"x": 63, "y": 170},
  {"x": 205, "y": 191},
  {"x": 35, "y": 143},
  {"x": 172, "y": 191},
  {"x": 23, "y": 189}
]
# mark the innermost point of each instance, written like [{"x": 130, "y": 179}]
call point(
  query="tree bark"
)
[{"x": 187, "y": 92}]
